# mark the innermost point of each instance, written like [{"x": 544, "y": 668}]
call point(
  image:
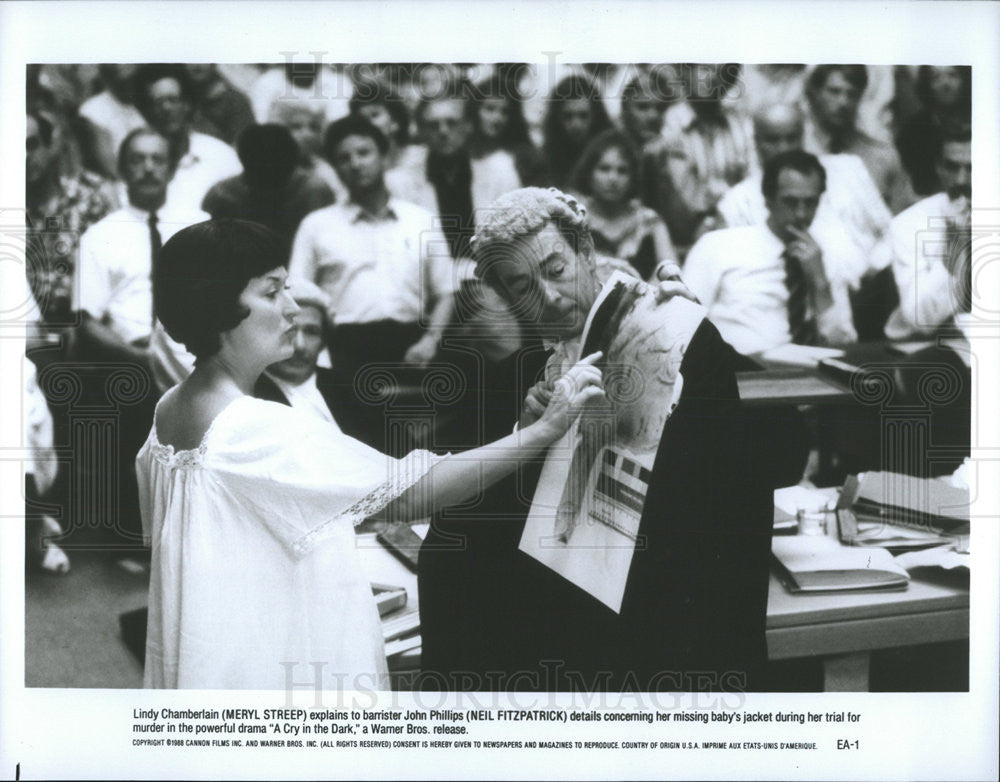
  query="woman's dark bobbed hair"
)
[{"x": 200, "y": 274}]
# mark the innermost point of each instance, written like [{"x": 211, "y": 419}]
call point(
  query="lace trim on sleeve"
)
[
  {"x": 403, "y": 473},
  {"x": 179, "y": 460}
]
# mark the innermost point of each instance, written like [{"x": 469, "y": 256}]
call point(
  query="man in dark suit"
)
[{"x": 694, "y": 608}]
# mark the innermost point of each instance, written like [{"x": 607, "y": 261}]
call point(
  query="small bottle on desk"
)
[{"x": 811, "y": 522}]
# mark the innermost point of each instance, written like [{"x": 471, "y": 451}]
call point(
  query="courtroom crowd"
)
[{"x": 824, "y": 205}]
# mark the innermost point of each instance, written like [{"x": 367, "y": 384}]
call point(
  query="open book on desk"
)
[{"x": 810, "y": 563}]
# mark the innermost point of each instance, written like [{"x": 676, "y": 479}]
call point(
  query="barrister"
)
[{"x": 694, "y": 606}]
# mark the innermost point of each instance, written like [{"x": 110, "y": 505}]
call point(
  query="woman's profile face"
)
[
  {"x": 611, "y": 177},
  {"x": 267, "y": 334},
  {"x": 493, "y": 116}
]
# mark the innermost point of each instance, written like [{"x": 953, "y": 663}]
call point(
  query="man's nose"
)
[{"x": 549, "y": 293}]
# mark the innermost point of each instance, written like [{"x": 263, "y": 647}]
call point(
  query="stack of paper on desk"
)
[
  {"x": 901, "y": 512},
  {"x": 820, "y": 564},
  {"x": 918, "y": 502}
]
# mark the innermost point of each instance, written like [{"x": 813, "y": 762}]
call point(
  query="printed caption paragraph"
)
[{"x": 257, "y": 728}]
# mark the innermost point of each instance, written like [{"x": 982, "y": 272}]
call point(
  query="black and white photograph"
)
[{"x": 612, "y": 407}]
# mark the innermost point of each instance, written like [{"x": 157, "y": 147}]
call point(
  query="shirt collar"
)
[
  {"x": 287, "y": 387},
  {"x": 359, "y": 213},
  {"x": 141, "y": 214}
]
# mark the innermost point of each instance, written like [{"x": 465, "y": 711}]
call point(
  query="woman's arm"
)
[{"x": 461, "y": 476}]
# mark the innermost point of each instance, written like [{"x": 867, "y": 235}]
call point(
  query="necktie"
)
[
  {"x": 800, "y": 325},
  {"x": 155, "y": 243}
]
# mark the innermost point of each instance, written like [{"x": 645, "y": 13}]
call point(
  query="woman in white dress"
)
[{"x": 250, "y": 507}]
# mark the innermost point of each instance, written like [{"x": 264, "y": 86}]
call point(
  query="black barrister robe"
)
[{"x": 694, "y": 612}]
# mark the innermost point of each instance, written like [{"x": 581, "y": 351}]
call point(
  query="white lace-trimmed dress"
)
[{"x": 255, "y": 576}]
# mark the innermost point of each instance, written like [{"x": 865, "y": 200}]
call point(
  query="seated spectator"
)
[
  {"x": 164, "y": 93},
  {"x": 608, "y": 177},
  {"x": 575, "y": 115},
  {"x": 380, "y": 105},
  {"x": 117, "y": 253},
  {"x": 305, "y": 121},
  {"x": 773, "y": 284},
  {"x": 442, "y": 176},
  {"x": 383, "y": 263},
  {"x": 499, "y": 127},
  {"x": 708, "y": 151},
  {"x": 271, "y": 190},
  {"x": 945, "y": 94},
  {"x": 833, "y": 94},
  {"x": 59, "y": 210},
  {"x": 219, "y": 108},
  {"x": 299, "y": 381},
  {"x": 851, "y": 208},
  {"x": 109, "y": 117},
  {"x": 931, "y": 244}
]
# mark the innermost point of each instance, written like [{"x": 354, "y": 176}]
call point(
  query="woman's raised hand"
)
[{"x": 571, "y": 393}]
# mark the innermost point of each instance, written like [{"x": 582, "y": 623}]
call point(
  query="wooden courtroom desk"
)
[
  {"x": 776, "y": 383},
  {"x": 843, "y": 628},
  {"x": 789, "y": 387}
]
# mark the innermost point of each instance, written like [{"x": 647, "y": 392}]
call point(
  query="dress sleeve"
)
[{"x": 300, "y": 480}]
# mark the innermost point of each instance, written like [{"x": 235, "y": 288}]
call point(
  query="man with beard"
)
[{"x": 115, "y": 291}]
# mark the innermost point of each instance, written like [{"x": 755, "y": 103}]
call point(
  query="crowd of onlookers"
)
[{"x": 821, "y": 205}]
